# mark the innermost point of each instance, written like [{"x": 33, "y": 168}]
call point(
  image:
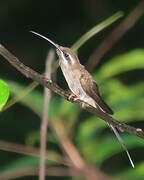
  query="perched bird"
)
[{"x": 82, "y": 84}]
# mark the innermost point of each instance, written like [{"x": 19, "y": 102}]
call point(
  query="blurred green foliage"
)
[
  {"x": 91, "y": 136},
  {"x": 4, "y": 93}
]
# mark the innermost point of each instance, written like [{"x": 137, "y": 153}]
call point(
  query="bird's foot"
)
[{"x": 73, "y": 97}]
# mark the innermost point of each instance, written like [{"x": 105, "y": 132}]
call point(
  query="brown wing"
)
[{"x": 91, "y": 88}]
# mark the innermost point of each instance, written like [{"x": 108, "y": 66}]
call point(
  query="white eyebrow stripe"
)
[
  {"x": 63, "y": 57},
  {"x": 72, "y": 59}
]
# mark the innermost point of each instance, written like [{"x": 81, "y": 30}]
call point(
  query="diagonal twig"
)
[
  {"x": 30, "y": 73},
  {"x": 73, "y": 154},
  {"x": 30, "y": 151},
  {"x": 67, "y": 145},
  {"x": 115, "y": 35},
  {"x": 51, "y": 171}
]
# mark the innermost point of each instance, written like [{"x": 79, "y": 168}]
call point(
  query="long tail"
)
[{"x": 122, "y": 143}]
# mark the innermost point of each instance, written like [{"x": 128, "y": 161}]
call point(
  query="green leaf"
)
[
  {"x": 68, "y": 112},
  {"x": 126, "y": 101},
  {"x": 96, "y": 29},
  {"x": 52, "y": 158},
  {"x": 129, "y": 61},
  {"x": 96, "y": 149},
  {"x": 33, "y": 138},
  {"x": 33, "y": 100},
  {"x": 110, "y": 146},
  {"x": 4, "y": 93},
  {"x": 133, "y": 174},
  {"x": 23, "y": 162}
]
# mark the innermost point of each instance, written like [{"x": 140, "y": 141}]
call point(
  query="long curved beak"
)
[{"x": 56, "y": 45}]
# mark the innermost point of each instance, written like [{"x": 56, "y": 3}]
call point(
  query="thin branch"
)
[
  {"x": 21, "y": 95},
  {"x": 74, "y": 155},
  {"x": 21, "y": 149},
  {"x": 31, "y": 151},
  {"x": 52, "y": 171},
  {"x": 44, "y": 123},
  {"x": 67, "y": 145},
  {"x": 30, "y": 73},
  {"x": 115, "y": 35}
]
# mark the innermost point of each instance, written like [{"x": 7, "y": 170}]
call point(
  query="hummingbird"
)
[{"x": 82, "y": 84}]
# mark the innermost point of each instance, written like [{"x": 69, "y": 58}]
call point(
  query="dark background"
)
[{"x": 64, "y": 22}]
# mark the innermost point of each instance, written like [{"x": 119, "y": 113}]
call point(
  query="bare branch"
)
[
  {"x": 44, "y": 123},
  {"x": 67, "y": 145},
  {"x": 30, "y": 73},
  {"x": 21, "y": 95},
  {"x": 30, "y": 151},
  {"x": 74, "y": 156},
  {"x": 51, "y": 171}
]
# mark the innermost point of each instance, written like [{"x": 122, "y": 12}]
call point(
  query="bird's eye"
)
[{"x": 66, "y": 55}]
